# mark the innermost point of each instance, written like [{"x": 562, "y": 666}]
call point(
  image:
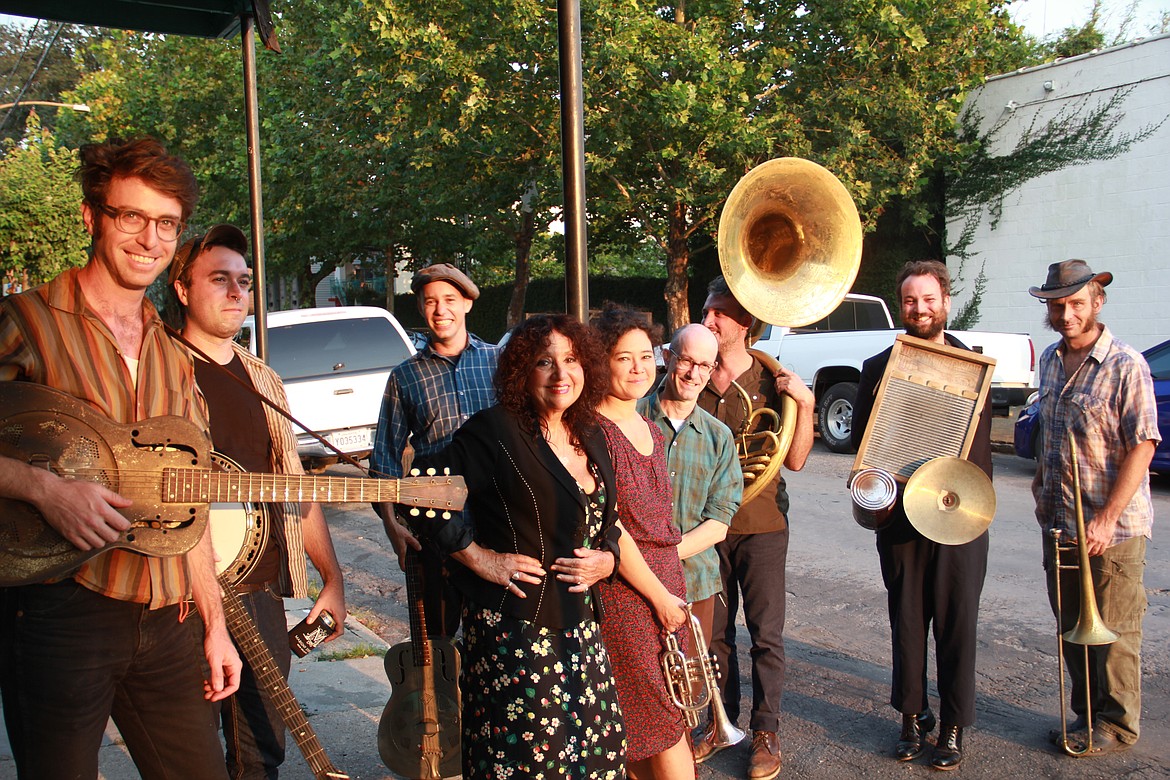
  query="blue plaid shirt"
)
[
  {"x": 706, "y": 481},
  {"x": 1108, "y": 404},
  {"x": 427, "y": 398}
]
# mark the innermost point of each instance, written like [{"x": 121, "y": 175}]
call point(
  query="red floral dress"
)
[{"x": 632, "y": 634}]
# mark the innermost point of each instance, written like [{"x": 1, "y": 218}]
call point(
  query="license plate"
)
[{"x": 350, "y": 441}]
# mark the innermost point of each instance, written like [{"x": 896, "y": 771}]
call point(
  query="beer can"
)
[{"x": 306, "y": 635}]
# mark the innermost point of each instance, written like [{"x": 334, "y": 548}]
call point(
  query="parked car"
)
[
  {"x": 1028, "y": 430},
  {"x": 334, "y": 362}
]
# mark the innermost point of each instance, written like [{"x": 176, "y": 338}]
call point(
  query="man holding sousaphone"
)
[
  {"x": 1096, "y": 401},
  {"x": 753, "y": 556},
  {"x": 927, "y": 580}
]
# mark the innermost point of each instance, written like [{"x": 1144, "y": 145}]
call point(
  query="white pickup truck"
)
[
  {"x": 334, "y": 362},
  {"x": 828, "y": 356}
]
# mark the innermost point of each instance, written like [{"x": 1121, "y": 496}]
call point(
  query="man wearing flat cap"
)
[
  {"x": 427, "y": 398},
  {"x": 1097, "y": 391}
]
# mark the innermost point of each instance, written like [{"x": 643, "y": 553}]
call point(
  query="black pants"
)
[
  {"x": 253, "y": 728},
  {"x": 72, "y": 658},
  {"x": 939, "y": 585},
  {"x": 752, "y": 567}
]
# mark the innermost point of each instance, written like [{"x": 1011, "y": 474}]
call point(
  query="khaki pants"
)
[{"x": 1114, "y": 676}]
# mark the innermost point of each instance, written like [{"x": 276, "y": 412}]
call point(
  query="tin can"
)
[{"x": 305, "y": 635}]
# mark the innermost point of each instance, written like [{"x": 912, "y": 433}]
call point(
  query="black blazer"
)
[{"x": 521, "y": 500}]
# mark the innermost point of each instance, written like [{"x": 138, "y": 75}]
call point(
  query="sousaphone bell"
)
[{"x": 789, "y": 248}]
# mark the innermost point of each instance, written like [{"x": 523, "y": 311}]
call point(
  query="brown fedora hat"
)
[{"x": 1066, "y": 277}]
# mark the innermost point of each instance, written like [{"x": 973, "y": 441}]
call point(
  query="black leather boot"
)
[
  {"x": 948, "y": 753},
  {"x": 913, "y": 739}
]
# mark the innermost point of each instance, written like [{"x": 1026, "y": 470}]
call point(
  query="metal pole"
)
[
  {"x": 256, "y": 201},
  {"x": 573, "y": 160}
]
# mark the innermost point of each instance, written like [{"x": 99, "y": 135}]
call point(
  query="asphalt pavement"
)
[{"x": 835, "y": 720}]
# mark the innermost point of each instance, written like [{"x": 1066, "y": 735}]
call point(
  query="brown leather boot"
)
[{"x": 765, "y": 763}]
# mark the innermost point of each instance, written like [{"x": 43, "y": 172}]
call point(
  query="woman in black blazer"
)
[{"x": 538, "y": 531}]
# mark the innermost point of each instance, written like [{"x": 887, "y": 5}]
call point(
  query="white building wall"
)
[{"x": 1115, "y": 214}]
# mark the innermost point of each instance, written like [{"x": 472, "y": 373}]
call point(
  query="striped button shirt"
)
[
  {"x": 427, "y": 398},
  {"x": 706, "y": 482},
  {"x": 1108, "y": 404},
  {"x": 51, "y": 336}
]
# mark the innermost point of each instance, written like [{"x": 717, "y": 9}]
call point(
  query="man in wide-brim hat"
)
[{"x": 1098, "y": 391}]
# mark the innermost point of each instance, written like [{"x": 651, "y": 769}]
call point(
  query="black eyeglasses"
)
[
  {"x": 134, "y": 222},
  {"x": 685, "y": 364}
]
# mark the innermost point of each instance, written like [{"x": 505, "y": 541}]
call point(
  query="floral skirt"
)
[{"x": 538, "y": 702}]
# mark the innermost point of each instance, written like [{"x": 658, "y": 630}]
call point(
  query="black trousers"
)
[
  {"x": 72, "y": 658},
  {"x": 933, "y": 586},
  {"x": 752, "y": 567}
]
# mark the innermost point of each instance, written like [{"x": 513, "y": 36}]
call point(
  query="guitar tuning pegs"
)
[
  {"x": 430, "y": 472},
  {"x": 414, "y": 511},
  {"x": 446, "y": 515},
  {"x": 415, "y": 472},
  {"x": 430, "y": 514},
  {"x": 446, "y": 471}
]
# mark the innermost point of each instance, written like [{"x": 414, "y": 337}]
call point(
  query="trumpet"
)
[
  {"x": 1090, "y": 628},
  {"x": 692, "y": 681}
]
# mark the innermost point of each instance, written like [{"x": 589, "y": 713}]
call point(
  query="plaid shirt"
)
[
  {"x": 1108, "y": 404},
  {"x": 50, "y": 335},
  {"x": 706, "y": 481},
  {"x": 427, "y": 398}
]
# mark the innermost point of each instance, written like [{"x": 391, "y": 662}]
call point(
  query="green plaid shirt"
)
[{"x": 706, "y": 482}]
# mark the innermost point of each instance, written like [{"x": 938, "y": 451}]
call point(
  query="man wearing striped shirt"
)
[
  {"x": 212, "y": 287},
  {"x": 114, "y": 637},
  {"x": 1097, "y": 390},
  {"x": 427, "y": 398}
]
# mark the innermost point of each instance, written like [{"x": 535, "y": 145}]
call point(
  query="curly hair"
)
[
  {"x": 518, "y": 360},
  {"x": 143, "y": 158},
  {"x": 616, "y": 321}
]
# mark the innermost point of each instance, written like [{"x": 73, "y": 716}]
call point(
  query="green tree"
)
[
  {"x": 41, "y": 233},
  {"x": 39, "y": 61}
]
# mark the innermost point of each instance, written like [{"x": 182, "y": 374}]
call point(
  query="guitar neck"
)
[
  {"x": 251, "y": 644},
  {"x": 189, "y": 486},
  {"x": 419, "y": 644}
]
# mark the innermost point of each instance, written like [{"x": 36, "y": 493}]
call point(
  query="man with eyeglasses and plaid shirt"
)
[
  {"x": 753, "y": 556},
  {"x": 427, "y": 399},
  {"x": 115, "y": 637}
]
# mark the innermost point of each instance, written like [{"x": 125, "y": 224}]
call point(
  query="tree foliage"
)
[
  {"x": 41, "y": 233},
  {"x": 58, "y": 50}
]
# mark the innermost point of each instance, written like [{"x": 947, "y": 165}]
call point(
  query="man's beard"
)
[{"x": 926, "y": 330}]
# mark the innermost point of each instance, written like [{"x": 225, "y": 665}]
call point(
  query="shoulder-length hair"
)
[{"x": 529, "y": 339}]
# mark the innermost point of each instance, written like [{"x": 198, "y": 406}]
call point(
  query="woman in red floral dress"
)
[{"x": 647, "y": 598}]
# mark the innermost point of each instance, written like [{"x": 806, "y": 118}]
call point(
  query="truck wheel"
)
[{"x": 836, "y": 416}]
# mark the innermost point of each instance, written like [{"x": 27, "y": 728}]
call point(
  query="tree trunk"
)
[
  {"x": 523, "y": 267},
  {"x": 678, "y": 258}
]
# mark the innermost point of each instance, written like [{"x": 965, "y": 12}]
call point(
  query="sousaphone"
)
[{"x": 789, "y": 248}]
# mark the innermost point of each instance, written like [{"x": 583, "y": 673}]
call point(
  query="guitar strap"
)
[{"x": 264, "y": 399}]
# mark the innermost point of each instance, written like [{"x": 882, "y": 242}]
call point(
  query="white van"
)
[{"x": 334, "y": 362}]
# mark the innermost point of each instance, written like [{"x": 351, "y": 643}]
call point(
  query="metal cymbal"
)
[{"x": 949, "y": 500}]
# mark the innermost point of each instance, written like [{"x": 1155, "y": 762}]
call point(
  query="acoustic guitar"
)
[
  {"x": 165, "y": 466},
  {"x": 419, "y": 731}
]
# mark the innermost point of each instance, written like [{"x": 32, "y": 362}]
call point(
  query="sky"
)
[{"x": 1042, "y": 18}]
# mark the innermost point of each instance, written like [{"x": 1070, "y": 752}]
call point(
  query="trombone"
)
[{"x": 1090, "y": 629}]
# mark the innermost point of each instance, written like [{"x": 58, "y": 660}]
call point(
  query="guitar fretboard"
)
[
  {"x": 187, "y": 486},
  {"x": 421, "y": 648},
  {"x": 251, "y": 644}
]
